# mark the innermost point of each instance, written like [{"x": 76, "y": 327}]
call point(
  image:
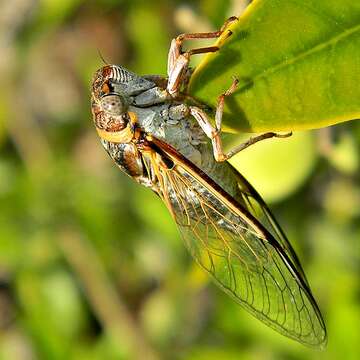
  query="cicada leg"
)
[
  {"x": 178, "y": 61},
  {"x": 214, "y": 132}
]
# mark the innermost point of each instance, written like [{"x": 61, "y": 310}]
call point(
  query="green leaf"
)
[{"x": 298, "y": 63}]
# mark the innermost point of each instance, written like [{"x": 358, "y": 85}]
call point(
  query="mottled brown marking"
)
[
  {"x": 107, "y": 72},
  {"x": 131, "y": 162},
  {"x": 108, "y": 122},
  {"x": 105, "y": 88}
]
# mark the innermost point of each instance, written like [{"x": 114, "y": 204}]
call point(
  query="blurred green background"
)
[{"x": 91, "y": 264}]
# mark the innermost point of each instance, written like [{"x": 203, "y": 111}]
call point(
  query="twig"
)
[{"x": 105, "y": 301}]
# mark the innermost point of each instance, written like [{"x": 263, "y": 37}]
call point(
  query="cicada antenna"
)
[{"x": 102, "y": 58}]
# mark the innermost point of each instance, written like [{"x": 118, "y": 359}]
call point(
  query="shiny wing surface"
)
[
  {"x": 239, "y": 253},
  {"x": 258, "y": 208}
]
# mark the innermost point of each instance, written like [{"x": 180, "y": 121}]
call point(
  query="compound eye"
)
[{"x": 112, "y": 104}]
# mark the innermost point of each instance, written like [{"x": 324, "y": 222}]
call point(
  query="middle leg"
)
[{"x": 214, "y": 133}]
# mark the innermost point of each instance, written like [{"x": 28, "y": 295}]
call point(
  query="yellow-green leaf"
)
[
  {"x": 298, "y": 63},
  {"x": 273, "y": 166}
]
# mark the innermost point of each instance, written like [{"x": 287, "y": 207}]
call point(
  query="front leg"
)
[{"x": 178, "y": 61}]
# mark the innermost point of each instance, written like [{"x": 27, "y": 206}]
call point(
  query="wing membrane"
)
[
  {"x": 244, "y": 259},
  {"x": 258, "y": 208}
]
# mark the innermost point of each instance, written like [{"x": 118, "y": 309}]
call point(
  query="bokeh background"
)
[{"x": 91, "y": 264}]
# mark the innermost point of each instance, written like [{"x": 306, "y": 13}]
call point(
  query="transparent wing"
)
[
  {"x": 239, "y": 253},
  {"x": 258, "y": 208}
]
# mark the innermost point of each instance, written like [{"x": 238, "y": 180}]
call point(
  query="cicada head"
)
[{"x": 113, "y": 88}]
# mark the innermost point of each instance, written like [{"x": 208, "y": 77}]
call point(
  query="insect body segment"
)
[{"x": 171, "y": 146}]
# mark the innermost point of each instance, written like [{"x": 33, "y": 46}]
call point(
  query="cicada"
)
[{"x": 164, "y": 140}]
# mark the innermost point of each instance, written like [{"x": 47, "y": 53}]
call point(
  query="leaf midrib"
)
[{"x": 318, "y": 48}]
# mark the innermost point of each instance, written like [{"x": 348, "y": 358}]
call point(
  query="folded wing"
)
[{"x": 256, "y": 268}]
